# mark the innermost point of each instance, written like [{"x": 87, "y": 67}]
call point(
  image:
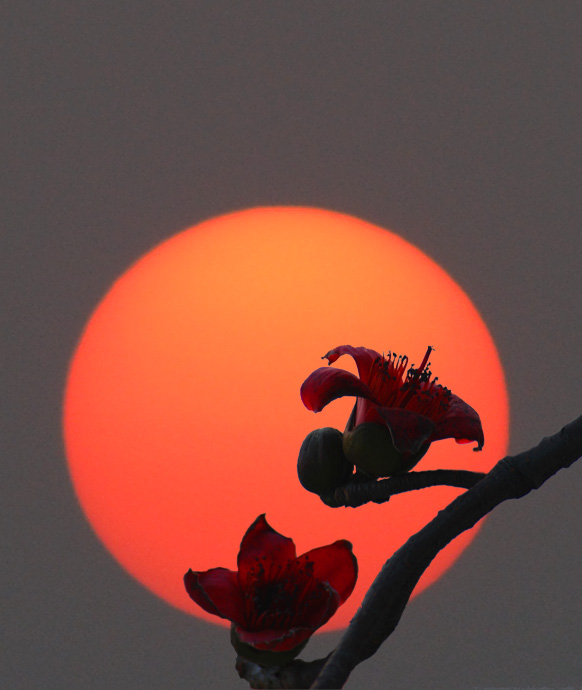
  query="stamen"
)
[
  {"x": 387, "y": 377},
  {"x": 276, "y": 597},
  {"x": 425, "y": 360}
]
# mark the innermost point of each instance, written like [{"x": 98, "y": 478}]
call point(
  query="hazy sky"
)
[{"x": 456, "y": 124}]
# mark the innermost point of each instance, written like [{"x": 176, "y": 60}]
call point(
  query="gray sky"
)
[{"x": 455, "y": 124}]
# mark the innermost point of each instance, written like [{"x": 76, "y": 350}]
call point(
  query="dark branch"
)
[
  {"x": 298, "y": 674},
  {"x": 383, "y": 605},
  {"x": 358, "y": 492}
]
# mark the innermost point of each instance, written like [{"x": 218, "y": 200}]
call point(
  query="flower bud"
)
[
  {"x": 371, "y": 449},
  {"x": 322, "y": 465}
]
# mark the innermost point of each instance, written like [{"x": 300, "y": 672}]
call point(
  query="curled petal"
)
[
  {"x": 461, "y": 422},
  {"x": 363, "y": 356},
  {"x": 217, "y": 591},
  {"x": 325, "y": 384},
  {"x": 263, "y": 544},
  {"x": 336, "y": 565}
]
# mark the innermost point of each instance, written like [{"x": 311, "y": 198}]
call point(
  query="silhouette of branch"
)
[
  {"x": 385, "y": 601},
  {"x": 297, "y": 675},
  {"x": 359, "y": 491}
]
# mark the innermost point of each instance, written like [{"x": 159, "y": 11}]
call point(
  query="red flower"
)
[
  {"x": 413, "y": 408},
  {"x": 276, "y": 600}
]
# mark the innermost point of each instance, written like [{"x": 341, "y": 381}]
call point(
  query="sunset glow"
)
[{"x": 182, "y": 414}]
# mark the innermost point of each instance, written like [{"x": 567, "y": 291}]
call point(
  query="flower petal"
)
[
  {"x": 325, "y": 384},
  {"x": 274, "y": 640},
  {"x": 336, "y": 565},
  {"x": 409, "y": 430},
  {"x": 461, "y": 422},
  {"x": 324, "y": 601},
  {"x": 262, "y": 544},
  {"x": 218, "y": 592},
  {"x": 363, "y": 356}
]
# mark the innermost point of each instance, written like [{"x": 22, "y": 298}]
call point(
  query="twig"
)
[
  {"x": 298, "y": 674},
  {"x": 358, "y": 492}
]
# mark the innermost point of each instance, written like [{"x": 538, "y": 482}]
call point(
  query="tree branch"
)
[
  {"x": 297, "y": 675},
  {"x": 358, "y": 492},
  {"x": 384, "y": 603}
]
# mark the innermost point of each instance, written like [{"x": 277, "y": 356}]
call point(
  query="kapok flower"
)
[
  {"x": 408, "y": 404},
  {"x": 276, "y": 599}
]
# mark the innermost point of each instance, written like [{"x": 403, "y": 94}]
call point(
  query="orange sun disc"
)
[{"x": 182, "y": 415}]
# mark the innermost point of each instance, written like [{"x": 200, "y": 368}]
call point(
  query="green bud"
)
[
  {"x": 261, "y": 657},
  {"x": 322, "y": 465},
  {"x": 370, "y": 448}
]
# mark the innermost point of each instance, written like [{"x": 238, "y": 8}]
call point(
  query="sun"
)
[{"x": 182, "y": 415}]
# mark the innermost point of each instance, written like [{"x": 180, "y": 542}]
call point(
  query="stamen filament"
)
[{"x": 415, "y": 391}]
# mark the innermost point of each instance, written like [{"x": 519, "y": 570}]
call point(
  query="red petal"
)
[
  {"x": 325, "y": 385},
  {"x": 262, "y": 543},
  {"x": 217, "y": 591},
  {"x": 363, "y": 356},
  {"x": 274, "y": 640},
  {"x": 461, "y": 423},
  {"x": 336, "y": 565},
  {"x": 409, "y": 429},
  {"x": 324, "y": 601}
]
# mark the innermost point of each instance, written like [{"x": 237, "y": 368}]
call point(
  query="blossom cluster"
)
[{"x": 276, "y": 600}]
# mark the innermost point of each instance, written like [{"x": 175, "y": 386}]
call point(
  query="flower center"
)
[
  {"x": 276, "y": 596},
  {"x": 416, "y": 390}
]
